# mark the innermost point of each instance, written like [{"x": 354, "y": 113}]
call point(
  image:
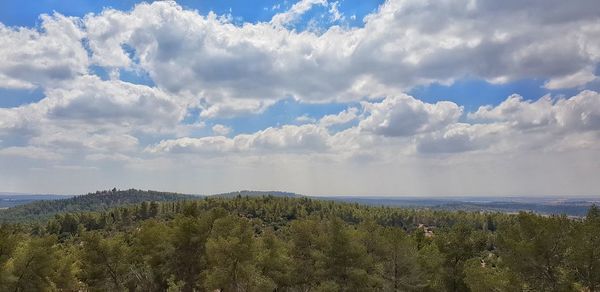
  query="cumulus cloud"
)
[
  {"x": 288, "y": 138},
  {"x": 236, "y": 69},
  {"x": 91, "y": 100},
  {"x": 211, "y": 145},
  {"x": 341, "y": 118},
  {"x": 460, "y": 137},
  {"x": 91, "y": 115},
  {"x": 578, "y": 113},
  {"x": 576, "y": 79},
  {"x": 520, "y": 113},
  {"x": 581, "y": 112},
  {"x": 406, "y": 116},
  {"x": 517, "y": 124},
  {"x": 398, "y": 124},
  {"x": 32, "y": 58}
]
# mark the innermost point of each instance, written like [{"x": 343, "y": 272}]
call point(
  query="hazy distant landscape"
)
[
  {"x": 572, "y": 206},
  {"x": 14, "y": 199}
]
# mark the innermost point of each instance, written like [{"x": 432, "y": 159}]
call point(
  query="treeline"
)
[{"x": 287, "y": 244}]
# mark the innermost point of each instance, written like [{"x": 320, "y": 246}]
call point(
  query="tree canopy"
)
[{"x": 297, "y": 244}]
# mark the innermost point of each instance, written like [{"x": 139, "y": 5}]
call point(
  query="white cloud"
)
[
  {"x": 221, "y": 130},
  {"x": 305, "y": 119},
  {"x": 237, "y": 69},
  {"x": 288, "y": 138},
  {"x": 335, "y": 12},
  {"x": 406, "y": 116},
  {"x": 576, "y": 79},
  {"x": 295, "y": 11},
  {"x": 91, "y": 100},
  {"x": 341, "y": 118},
  {"x": 88, "y": 116},
  {"x": 403, "y": 125},
  {"x": 211, "y": 145},
  {"x": 578, "y": 113},
  {"x": 231, "y": 107},
  {"x": 520, "y": 113},
  {"x": 518, "y": 125},
  {"x": 303, "y": 138},
  {"x": 461, "y": 137},
  {"x": 32, "y": 58}
]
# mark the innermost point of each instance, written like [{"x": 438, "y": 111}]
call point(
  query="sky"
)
[{"x": 318, "y": 97}]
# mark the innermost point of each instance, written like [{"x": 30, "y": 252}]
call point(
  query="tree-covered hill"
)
[{"x": 98, "y": 201}]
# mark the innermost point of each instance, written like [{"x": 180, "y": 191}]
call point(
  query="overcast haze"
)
[{"x": 321, "y": 97}]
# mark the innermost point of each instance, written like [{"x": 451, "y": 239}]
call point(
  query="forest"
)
[{"x": 268, "y": 243}]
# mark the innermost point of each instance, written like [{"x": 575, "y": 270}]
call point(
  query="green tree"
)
[
  {"x": 231, "y": 257},
  {"x": 64, "y": 276},
  {"x": 273, "y": 260},
  {"x": 10, "y": 236},
  {"x": 33, "y": 266},
  {"x": 402, "y": 270},
  {"x": 104, "y": 262},
  {"x": 151, "y": 251},
  {"x": 188, "y": 258},
  {"x": 306, "y": 253},
  {"x": 584, "y": 254},
  {"x": 458, "y": 245},
  {"x": 346, "y": 260},
  {"x": 535, "y": 248},
  {"x": 483, "y": 274},
  {"x": 431, "y": 263}
]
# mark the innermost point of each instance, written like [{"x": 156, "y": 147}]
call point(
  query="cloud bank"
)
[{"x": 204, "y": 69}]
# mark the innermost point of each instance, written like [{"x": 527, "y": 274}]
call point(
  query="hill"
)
[{"x": 98, "y": 201}]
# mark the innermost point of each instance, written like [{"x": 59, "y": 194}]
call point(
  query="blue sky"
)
[
  {"x": 26, "y": 13},
  {"x": 314, "y": 96}
]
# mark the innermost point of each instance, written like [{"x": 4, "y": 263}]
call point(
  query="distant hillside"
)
[
  {"x": 567, "y": 208},
  {"x": 246, "y": 193},
  {"x": 8, "y": 199},
  {"x": 541, "y": 205},
  {"x": 98, "y": 201}
]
